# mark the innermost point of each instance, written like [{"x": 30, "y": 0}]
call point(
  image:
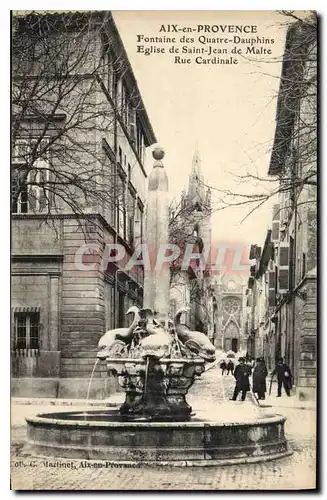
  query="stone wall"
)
[
  {"x": 36, "y": 284},
  {"x": 308, "y": 342},
  {"x": 82, "y": 307},
  {"x": 32, "y": 236}
]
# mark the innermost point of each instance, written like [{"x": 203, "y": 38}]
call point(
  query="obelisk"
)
[{"x": 156, "y": 278}]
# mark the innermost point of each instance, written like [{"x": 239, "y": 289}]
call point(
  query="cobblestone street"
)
[{"x": 293, "y": 472}]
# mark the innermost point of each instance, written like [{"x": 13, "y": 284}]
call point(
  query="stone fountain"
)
[{"x": 157, "y": 360}]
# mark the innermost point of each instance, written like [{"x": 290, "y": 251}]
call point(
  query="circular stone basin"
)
[{"x": 106, "y": 435}]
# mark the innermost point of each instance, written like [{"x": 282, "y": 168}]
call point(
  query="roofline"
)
[
  {"x": 144, "y": 115},
  {"x": 285, "y": 111}
]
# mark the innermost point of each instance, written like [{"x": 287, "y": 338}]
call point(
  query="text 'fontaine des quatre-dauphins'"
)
[{"x": 205, "y": 44}]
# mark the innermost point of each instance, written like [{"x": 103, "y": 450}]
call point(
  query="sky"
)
[{"x": 227, "y": 112}]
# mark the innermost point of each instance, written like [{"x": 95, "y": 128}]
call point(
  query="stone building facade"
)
[
  {"x": 230, "y": 298},
  {"x": 287, "y": 266},
  {"x": 63, "y": 297}
]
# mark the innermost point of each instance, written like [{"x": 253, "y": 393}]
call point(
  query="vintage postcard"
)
[{"x": 164, "y": 250}]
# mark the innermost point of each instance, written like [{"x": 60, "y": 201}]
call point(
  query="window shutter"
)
[
  {"x": 275, "y": 223},
  {"x": 33, "y": 198},
  {"x": 250, "y": 282},
  {"x": 253, "y": 250},
  {"x": 132, "y": 124},
  {"x": 252, "y": 270},
  {"x": 271, "y": 288},
  {"x": 271, "y": 265},
  {"x": 276, "y": 212},
  {"x": 283, "y": 271}
]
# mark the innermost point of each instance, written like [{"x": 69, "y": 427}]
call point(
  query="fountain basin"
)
[
  {"x": 156, "y": 387},
  {"x": 109, "y": 436}
]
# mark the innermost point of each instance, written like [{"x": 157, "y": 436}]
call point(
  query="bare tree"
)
[
  {"x": 296, "y": 129},
  {"x": 65, "y": 106},
  {"x": 181, "y": 223}
]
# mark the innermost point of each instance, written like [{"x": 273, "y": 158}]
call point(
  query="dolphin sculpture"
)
[
  {"x": 197, "y": 342},
  {"x": 122, "y": 335},
  {"x": 158, "y": 342}
]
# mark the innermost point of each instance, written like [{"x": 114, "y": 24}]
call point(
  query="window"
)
[
  {"x": 139, "y": 141},
  {"x": 114, "y": 91},
  {"x": 110, "y": 73},
  {"x": 109, "y": 206},
  {"x": 139, "y": 221},
  {"x": 121, "y": 209},
  {"x": 291, "y": 264},
  {"x": 130, "y": 216},
  {"x": 124, "y": 107},
  {"x": 29, "y": 177},
  {"x": 196, "y": 230},
  {"x": 132, "y": 124},
  {"x": 26, "y": 331},
  {"x": 107, "y": 65},
  {"x": 19, "y": 192},
  {"x": 304, "y": 264}
]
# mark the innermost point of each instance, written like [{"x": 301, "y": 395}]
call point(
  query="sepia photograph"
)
[{"x": 163, "y": 302}]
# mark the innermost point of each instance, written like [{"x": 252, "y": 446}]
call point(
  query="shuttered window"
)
[
  {"x": 30, "y": 177},
  {"x": 275, "y": 236},
  {"x": 26, "y": 333},
  {"x": 283, "y": 269}
]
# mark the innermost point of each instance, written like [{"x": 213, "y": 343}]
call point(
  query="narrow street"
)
[{"x": 296, "y": 471}]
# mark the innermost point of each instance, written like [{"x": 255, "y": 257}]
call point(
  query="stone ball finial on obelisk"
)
[{"x": 156, "y": 279}]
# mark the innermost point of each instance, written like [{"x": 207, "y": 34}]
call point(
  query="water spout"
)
[
  {"x": 90, "y": 382},
  {"x": 146, "y": 378}
]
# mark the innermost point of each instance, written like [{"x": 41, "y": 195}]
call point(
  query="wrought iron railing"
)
[{"x": 19, "y": 352}]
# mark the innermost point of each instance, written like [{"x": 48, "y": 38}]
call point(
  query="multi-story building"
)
[
  {"x": 289, "y": 256},
  {"x": 63, "y": 297},
  {"x": 260, "y": 299}
]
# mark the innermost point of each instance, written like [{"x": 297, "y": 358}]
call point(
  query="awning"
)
[{"x": 26, "y": 309}]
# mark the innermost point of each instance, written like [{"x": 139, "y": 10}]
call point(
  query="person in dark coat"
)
[
  {"x": 242, "y": 373},
  {"x": 223, "y": 367},
  {"x": 260, "y": 373},
  {"x": 230, "y": 367},
  {"x": 284, "y": 377}
]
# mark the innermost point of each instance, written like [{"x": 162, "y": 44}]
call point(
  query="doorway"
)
[{"x": 234, "y": 345}]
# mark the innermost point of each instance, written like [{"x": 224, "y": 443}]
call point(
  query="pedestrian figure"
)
[
  {"x": 230, "y": 367},
  {"x": 248, "y": 361},
  {"x": 223, "y": 367},
  {"x": 259, "y": 378},
  {"x": 284, "y": 377},
  {"x": 242, "y": 373}
]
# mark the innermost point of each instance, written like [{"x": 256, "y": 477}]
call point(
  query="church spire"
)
[
  {"x": 196, "y": 165},
  {"x": 195, "y": 185}
]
